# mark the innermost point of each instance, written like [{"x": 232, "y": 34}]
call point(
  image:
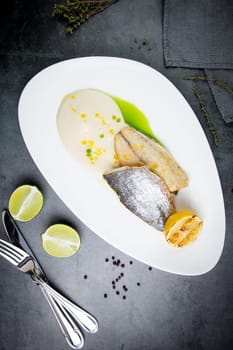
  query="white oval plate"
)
[{"x": 171, "y": 119}]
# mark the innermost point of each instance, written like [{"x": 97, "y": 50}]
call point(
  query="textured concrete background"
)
[{"x": 166, "y": 311}]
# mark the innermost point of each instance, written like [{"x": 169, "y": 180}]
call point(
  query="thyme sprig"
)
[
  {"x": 206, "y": 115},
  {"x": 76, "y": 12},
  {"x": 215, "y": 81}
]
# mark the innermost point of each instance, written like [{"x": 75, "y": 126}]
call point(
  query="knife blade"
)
[
  {"x": 79, "y": 315},
  {"x": 16, "y": 236},
  {"x": 62, "y": 313}
]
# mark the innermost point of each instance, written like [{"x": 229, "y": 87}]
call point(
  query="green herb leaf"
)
[
  {"x": 218, "y": 82},
  {"x": 76, "y": 12},
  {"x": 212, "y": 129}
]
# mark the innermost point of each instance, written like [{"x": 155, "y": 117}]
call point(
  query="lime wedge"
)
[
  {"x": 25, "y": 202},
  {"x": 60, "y": 240}
]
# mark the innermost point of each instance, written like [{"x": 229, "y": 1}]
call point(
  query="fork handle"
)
[
  {"x": 67, "y": 325},
  {"x": 87, "y": 321}
]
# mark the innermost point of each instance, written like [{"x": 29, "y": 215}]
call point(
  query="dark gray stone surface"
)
[{"x": 167, "y": 311}]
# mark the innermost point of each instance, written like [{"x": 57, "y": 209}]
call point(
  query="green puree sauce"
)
[{"x": 135, "y": 118}]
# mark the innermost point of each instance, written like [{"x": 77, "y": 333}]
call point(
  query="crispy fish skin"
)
[
  {"x": 126, "y": 155},
  {"x": 143, "y": 193},
  {"x": 156, "y": 158}
]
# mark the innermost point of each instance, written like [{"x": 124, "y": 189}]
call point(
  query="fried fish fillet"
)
[
  {"x": 142, "y": 192},
  {"x": 154, "y": 156},
  {"x": 126, "y": 155}
]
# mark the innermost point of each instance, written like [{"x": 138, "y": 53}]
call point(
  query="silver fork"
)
[{"x": 66, "y": 313}]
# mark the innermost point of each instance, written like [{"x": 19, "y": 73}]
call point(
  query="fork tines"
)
[{"x": 12, "y": 253}]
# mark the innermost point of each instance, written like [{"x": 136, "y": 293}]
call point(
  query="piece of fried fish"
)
[
  {"x": 142, "y": 192},
  {"x": 126, "y": 156},
  {"x": 149, "y": 152}
]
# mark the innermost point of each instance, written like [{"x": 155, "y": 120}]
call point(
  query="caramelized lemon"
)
[{"x": 182, "y": 228}]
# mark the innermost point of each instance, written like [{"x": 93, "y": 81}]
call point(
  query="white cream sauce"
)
[{"x": 87, "y": 121}]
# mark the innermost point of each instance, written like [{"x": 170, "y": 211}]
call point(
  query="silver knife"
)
[
  {"x": 17, "y": 238},
  {"x": 24, "y": 262},
  {"x": 14, "y": 234}
]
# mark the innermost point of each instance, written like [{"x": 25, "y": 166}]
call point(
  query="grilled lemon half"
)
[{"x": 182, "y": 228}]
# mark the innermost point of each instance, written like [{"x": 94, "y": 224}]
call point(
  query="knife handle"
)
[
  {"x": 67, "y": 325},
  {"x": 85, "y": 320}
]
